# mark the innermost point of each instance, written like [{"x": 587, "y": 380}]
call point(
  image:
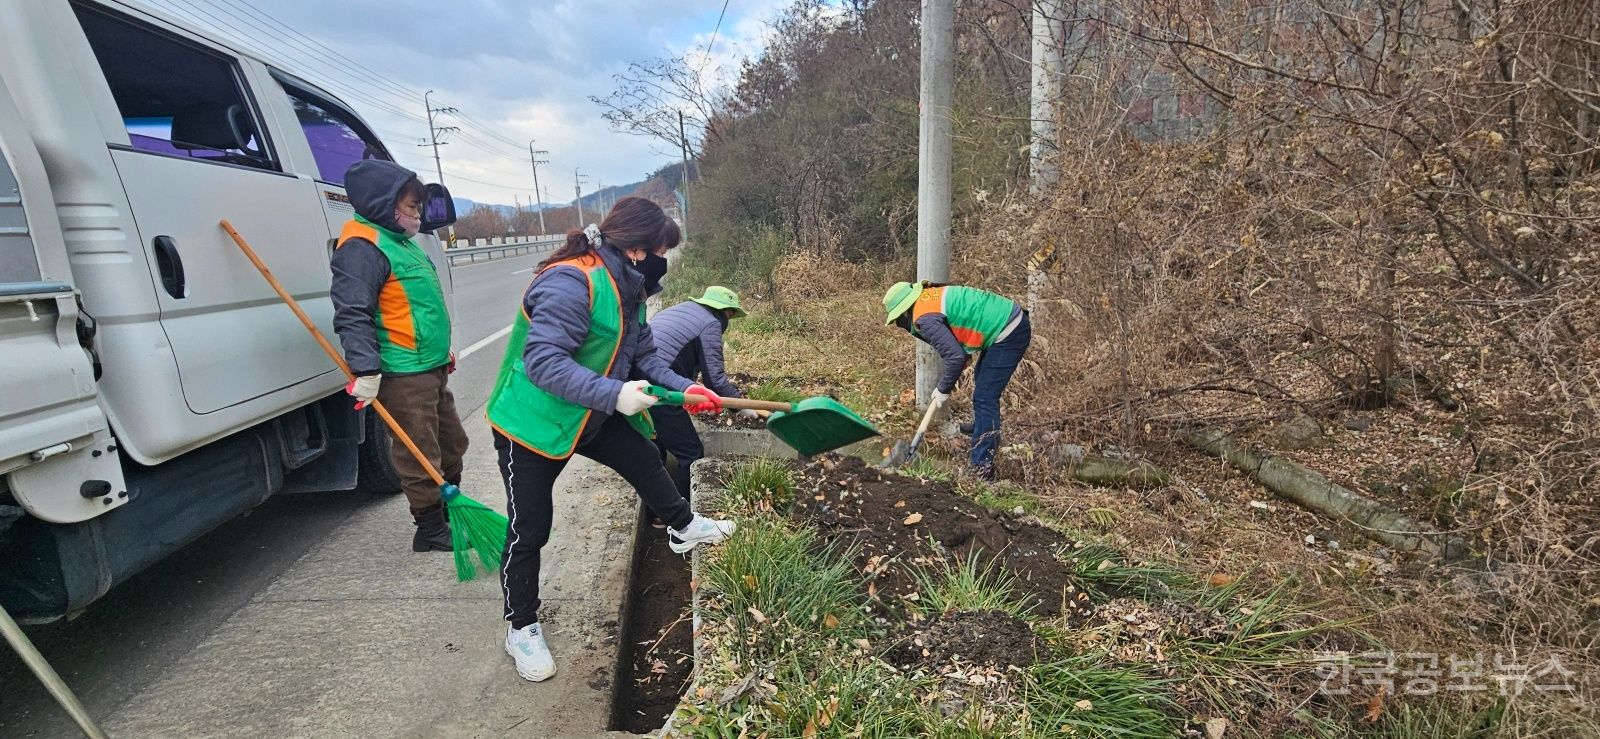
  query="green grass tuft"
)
[
  {"x": 763, "y": 480},
  {"x": 969, "y": 585},
  {"x": 927, "y": 469},
  {"x": 1122, "y": 701},
  {"x": 1103, "y": 570},
  {"x": 775, "y": 391}
]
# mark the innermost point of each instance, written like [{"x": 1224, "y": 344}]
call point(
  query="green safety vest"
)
[
  {"x": 976, "y": 317},
  {"x": 412, "y": 321},
  {"x": 538, "y": 420}
]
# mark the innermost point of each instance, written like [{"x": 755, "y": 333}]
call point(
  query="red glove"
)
[{"x": 713, "y": 401}]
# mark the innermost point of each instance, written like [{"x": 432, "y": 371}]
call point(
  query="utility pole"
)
[
  {"x": 933, "y": 167},
  {"x": 683, "y": 150},
  {"x": 533, "y": 157},
  {"x": 1048, "y": 36},
  {"x": 600, "y": 199},
  {"x": 577, "y": 189},
  {"x": 434, "y": 131}
]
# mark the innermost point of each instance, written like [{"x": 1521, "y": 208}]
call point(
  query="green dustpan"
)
[{"x": 811, "y": 426}]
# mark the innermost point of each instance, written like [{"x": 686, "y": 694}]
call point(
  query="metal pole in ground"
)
[
  {"x": 683, "y": 150},
  {"x": 533, "y": 156},
  {"x": 1047, "y": 37},
  {"x": 47, "y": 675},
  {"x": 933, "y": 167}
]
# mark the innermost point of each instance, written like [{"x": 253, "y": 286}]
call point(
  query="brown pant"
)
[{"x": 424, "y": 407}]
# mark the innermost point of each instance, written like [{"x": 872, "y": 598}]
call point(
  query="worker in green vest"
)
[
  {"x": 958, "y": 322},
  {"x": 565, "y": 387},
  {"x": 389, "y": 312}
]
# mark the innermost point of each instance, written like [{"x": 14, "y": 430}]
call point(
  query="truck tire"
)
[{"x": 375, "y": 472}]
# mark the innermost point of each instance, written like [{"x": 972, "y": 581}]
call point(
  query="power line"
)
[
  {"x": 713, "y": 42},
  {"x": 243, "y": 38},
  {"x": 397, "y": 87}
]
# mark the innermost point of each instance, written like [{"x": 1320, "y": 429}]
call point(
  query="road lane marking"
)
[
  {"x": 483, "y": 342},
  {"x": 523, "y": 271}
]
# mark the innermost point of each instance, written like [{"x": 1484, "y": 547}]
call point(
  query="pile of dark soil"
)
[
  {"x": 732, "y": 420},
  {"x": 657, "y": 647},
  {"x": 979, "y": 638},
  {"x": 899, "y": 524}
]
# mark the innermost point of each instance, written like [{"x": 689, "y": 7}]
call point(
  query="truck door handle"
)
[{"x": 171, "y": 266}]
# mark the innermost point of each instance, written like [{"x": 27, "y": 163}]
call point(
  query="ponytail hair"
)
[{"x": 633, "y": 223}]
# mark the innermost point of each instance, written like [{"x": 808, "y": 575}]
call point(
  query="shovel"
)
[
  {"x": 811, "y": 426},
  {"x": 903, "y": 453}
]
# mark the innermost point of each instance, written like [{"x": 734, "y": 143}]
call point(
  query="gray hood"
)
[{"x": 373, "y": 186}]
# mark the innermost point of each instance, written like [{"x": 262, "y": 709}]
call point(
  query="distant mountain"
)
[
  {"x": 590, "y": 200},
  {"x": 465, "y": 206}
]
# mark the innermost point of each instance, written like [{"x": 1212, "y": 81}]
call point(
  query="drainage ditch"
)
[{"x": 654, "y": 662}]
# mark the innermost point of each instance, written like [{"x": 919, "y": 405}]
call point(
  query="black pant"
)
[
  {"x": 530, "y": 477},
  {"x": 675, "y": 435}
]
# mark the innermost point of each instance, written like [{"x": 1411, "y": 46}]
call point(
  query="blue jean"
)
[{"x": 995, "y": 367}]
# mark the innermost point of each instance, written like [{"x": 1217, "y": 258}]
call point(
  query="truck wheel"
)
[{"x": 375, "y": 472}]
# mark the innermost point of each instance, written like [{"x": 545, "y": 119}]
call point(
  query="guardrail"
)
[{"x": 535, "y": 245}]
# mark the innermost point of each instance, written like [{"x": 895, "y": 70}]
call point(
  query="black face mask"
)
[{"x": 653, "y": 268}]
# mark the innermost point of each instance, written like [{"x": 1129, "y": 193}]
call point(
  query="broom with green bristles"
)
[{"x": 473, "y": 526}]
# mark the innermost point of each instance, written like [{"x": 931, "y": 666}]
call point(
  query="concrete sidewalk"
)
[{"x": 362, "y": 637}]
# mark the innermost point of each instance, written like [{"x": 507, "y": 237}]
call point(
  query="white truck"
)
[{"x": 152, "y": 386}]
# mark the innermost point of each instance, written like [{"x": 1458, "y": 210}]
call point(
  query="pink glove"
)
[{"x": 713, "y": 401}]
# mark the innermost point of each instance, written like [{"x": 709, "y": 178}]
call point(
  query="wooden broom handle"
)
[
  {"x": 305, "y": 320},
  {"x": 742, "y": 404}
]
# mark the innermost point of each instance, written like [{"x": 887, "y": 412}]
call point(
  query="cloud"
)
[{"x": 516, "y": 70}]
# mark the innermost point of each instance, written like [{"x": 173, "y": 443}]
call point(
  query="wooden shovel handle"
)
[
  {"x": 332, "y": 353},
  {"x": 742, "y": 404}
]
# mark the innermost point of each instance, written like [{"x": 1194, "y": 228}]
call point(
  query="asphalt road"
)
[{"x": 129, "y": 638}]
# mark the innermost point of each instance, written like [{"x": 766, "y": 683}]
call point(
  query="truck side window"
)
[
  {"x": 176, "y": 98},
  {"x": 337, "y": 138}
]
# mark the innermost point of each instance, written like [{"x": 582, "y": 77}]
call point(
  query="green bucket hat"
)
[
  {"x": 721, "y": 298},
  {"x": 899, "y": 299}
]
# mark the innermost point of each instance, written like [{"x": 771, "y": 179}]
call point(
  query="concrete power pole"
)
[
  {"x": 1048, "y": 36},
  {"x": 434, "y": 131},
  {"x": 683, "y": 150},
  {"x": 933, "y": 166},
  {"x": 533, "y": 157},
  {"x": 577, "y": 189}
]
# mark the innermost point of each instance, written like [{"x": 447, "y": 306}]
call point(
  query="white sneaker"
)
[
  {"x": 701, "y": 530},
  {"x": 526, "y": 646}
]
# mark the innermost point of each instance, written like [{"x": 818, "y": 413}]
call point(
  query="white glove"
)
[
  {"x": 938, "y": 398},
  {"x": 632, "y": 398},
  {"x": 364, "y": 389},
  {"x": 750, "y": 414}
]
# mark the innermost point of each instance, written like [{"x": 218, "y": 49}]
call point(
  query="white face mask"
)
[{"x": 408, "y": 223}]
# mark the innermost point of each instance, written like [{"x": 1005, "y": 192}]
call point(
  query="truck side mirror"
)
[{"x": 439, "y": 209}]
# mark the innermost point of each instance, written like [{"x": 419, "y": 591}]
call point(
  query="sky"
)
[{"x": 516, "y": 70}]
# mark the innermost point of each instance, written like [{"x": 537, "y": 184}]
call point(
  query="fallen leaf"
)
[
  {"x": 913, "y": 519},
  {"x": 826, "y": 717},
  {"x": 1219, "y": 580},
  {"x": 1105, "y": 564},
  {"x": 750, "y": 581},
  {"x": 760, "y": 617},
  {"x": 658, "y": 667},
  {"x": 1247, "y": 610},
  {"x": 1084, "y": 705},
  {"x": 865, "y": 645},
  {"x": 900, "y": 504},
  {"x": 810, "y": 730},
  {"x": 1375, "y": 705},
  {"x": 1215, "y": 727},
  {"x": 830, "y": 621}
]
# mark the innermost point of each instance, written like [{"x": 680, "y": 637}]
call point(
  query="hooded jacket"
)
[
  {"x": 557, "y": 305},
  {"x": 365, "y": 282}
]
